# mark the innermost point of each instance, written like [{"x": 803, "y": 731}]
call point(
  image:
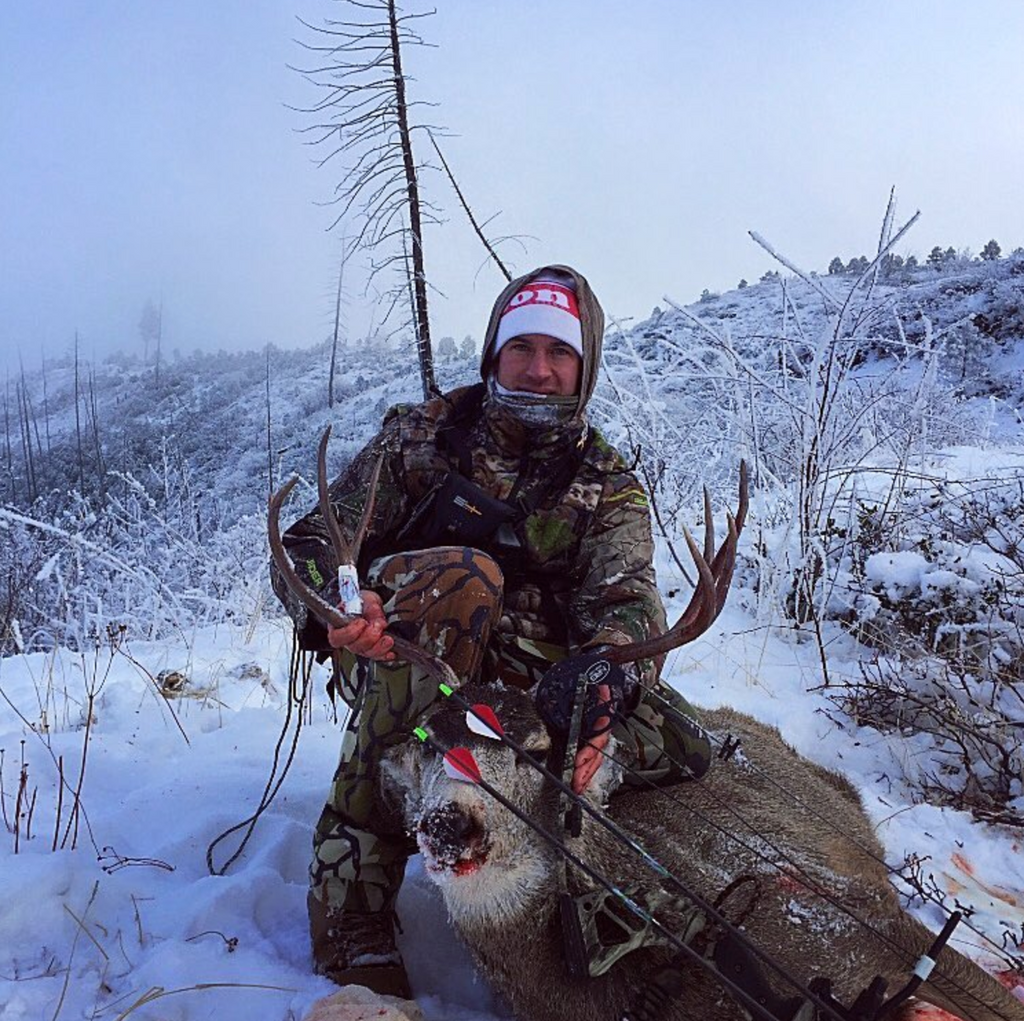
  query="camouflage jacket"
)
[{"x": 583, "y": 575}]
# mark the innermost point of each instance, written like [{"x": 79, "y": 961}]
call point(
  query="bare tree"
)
[
  {"x": 150, "y": 328},
  {"x": 46, "y": 403},
  {"x": 31, "y": 410},
  {"x": 26, "y": 440},
  {"x": 78, "y": 423},
  {"x": 8, "y": 449},
  {"x": 363, "y": 117},
  {"x": 101, "y": 470},
  {"x": 29, "y": 423},
  {"x": 428, "y": 388},
  {"x": 337, "y": 326}
]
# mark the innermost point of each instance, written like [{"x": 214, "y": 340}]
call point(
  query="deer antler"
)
[
  {"x": 345, "y": 552},
  {"x": 704, "y": 606},
  {"x": 712, "y": 587}
]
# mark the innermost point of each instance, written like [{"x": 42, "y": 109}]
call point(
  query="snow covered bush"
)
[
  {"x": 976, "y": 758},
  {"x": 795, "y": 384},
  {"x": 143, "y": 559},
  {"x": 935, "y": 585}
]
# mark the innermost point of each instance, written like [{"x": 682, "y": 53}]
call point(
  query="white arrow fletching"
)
[{"x": 482, "y": 720}]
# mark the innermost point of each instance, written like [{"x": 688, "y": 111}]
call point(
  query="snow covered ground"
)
[{"x": 133, "y": 913}]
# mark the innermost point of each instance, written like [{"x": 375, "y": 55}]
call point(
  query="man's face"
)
[{"x": 537, "y": 364}]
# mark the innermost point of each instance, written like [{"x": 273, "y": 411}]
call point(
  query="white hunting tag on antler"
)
[{"x": 348, "y": 590}]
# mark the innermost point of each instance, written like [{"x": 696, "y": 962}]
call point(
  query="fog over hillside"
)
[{"x": 207, "y": 414}]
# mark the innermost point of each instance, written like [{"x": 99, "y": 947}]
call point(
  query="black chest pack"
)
[{"x": 457, "y": 512}]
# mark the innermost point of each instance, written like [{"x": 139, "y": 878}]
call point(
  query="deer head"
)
[{"x": 487, "y": 862}]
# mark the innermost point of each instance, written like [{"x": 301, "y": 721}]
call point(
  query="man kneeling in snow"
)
[{"x": 507, "y": 535}]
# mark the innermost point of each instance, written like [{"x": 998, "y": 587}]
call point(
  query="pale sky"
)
[{"x": 146, "y": 151}]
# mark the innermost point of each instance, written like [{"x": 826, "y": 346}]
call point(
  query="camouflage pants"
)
[{"x": 448, "y": 600}]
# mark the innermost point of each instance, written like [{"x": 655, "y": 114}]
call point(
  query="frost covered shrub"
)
[
  {"x": 143, "y": 559},
  {"x": 799, "y": 393},
  {"x": 977, "y": 762},
  {"x": 22, "y": 556},
  {"x": 169, "y": 530},
  {"x": 935, "y": 584},
  {"x": 944, "y": 565},
  {"x": 668, "y": 400}
]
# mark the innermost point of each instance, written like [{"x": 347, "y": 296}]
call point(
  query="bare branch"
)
[{"x": 469, "y": 212}]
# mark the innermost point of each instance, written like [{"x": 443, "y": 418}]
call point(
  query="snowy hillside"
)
[
  {"x": 877, "y": 618},
  {"x": 206, "y": 415}
]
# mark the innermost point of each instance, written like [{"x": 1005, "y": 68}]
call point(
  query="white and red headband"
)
[{"x": 542, "y": 306}]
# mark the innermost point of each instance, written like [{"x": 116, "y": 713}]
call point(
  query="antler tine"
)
[
  {"x": 723, "y": 571},
  {"x": 703, "y": 607},
  {"x": 309, "y": 597},
  {"x": 339, "y": 543},
  {"x": 371, "y": 499},
  {"x": 345, "y": 552},
  {"x": 725, "y": 559},
  {"x": 698, "y": 616},
  {"x": 699, "y": 605},
  {"x": 312, "y": 600},
  {"x": 709, "y": 527},
  {"x": 715, "y": 570}
]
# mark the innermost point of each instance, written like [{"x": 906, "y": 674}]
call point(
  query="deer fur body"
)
[{"x": 499, "y": 878}]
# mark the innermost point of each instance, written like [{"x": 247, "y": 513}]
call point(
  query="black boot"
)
[{"x": 356, "y": 949}]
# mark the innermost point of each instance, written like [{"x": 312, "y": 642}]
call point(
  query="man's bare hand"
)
[
  {"x": 365, "y": 636},
  {"x": 589, "y": 757}
]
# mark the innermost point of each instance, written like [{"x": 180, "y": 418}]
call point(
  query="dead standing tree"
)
[
  {"x": 337, "y": 325},
  {"x": 366, "y": 121},
  {"x": 151, "y": 328}
]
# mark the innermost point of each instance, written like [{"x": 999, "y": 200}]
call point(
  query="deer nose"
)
[{"x": 450, "y": 826}]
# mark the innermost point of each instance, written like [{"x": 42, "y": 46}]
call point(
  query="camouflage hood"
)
[{"x": 591, "y": 324}]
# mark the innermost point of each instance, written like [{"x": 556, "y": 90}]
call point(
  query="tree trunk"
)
[
  {"x": 270, "y": 449},
  {"x": 31, "y": 413},
  {"x": 26, "y": 442},
  {"x": 46, "y": 407},
  {"x": 101, "y": 470},
  {"x": 337, "y": 326},
  {"x": 78, "y": 425},
  {"x": 412, "y": 188},
  {"x": 411, "y": 295},
  {"x": 7, "y": 440}
]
